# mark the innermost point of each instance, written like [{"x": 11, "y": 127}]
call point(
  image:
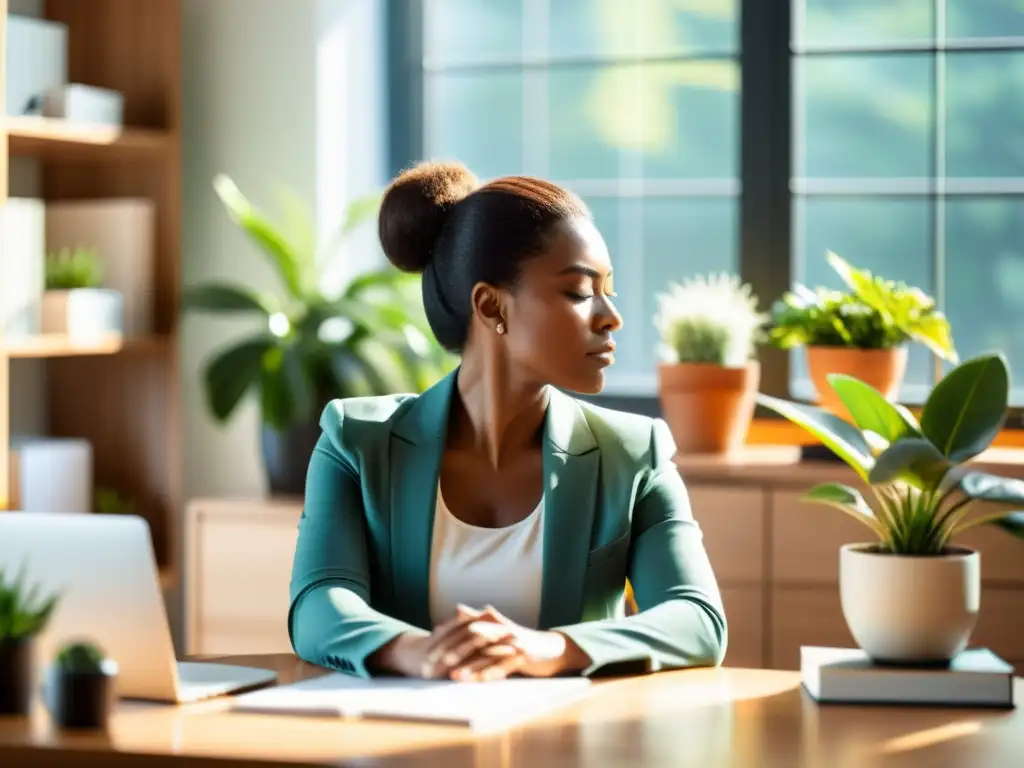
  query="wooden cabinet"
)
[{"x": 776, "y": 558}]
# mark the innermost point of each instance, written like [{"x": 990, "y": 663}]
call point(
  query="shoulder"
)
[
  {"x": 642, "y": 440},
  {"x": 360, "y": 421}
]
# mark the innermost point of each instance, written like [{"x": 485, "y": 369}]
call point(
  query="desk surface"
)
[{"x": 705, "y": 717}]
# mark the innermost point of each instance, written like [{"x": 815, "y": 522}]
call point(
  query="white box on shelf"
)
[
  {"x": 35, "y": 60},
  {"x": 51, "y": 474},
  {"x": 22, "y": 265},
  {"x": 84, "y": 104},
  {"x": 122, "y": 231},
  {"x": 84, "y": 314}
]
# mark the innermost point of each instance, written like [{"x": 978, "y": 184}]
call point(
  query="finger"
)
[
  {"x": 492, "y": 666},
  {"x": 435, "y": 660},
  {"x": 479, "y": 640},
  {"x": 443, "y": 631},
  {"x": 464, "y": 610},
  {"x": 491, "y": 612}
]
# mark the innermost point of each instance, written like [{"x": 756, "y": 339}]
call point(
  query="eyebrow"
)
[{"x": 579, "y": 269}]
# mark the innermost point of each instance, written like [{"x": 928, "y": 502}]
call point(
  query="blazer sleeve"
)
[
  {"x": 681, "y": 620},
  {"x": 330, "y": 621}
]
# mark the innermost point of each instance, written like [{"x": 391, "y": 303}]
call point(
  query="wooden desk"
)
[{"x": 705, "y": 717}]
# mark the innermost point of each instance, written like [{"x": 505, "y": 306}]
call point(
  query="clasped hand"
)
[{"x": 485, "y": 645}]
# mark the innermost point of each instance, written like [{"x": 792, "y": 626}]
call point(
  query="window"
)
[
  {"x": 886, "y": 131},
  {"x": 634, "y": 105}
]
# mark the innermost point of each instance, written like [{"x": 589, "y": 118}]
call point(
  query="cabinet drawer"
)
[
  {"x": 744, "y": 613},
  {"x": 732, "y": 520}
]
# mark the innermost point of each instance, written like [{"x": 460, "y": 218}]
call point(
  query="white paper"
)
[{"x": 477, "y": 705}]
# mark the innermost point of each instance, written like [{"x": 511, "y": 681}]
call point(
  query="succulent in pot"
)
[
  {"x": 708, "y": 374},
  {"x": 24, "y": 613},
  {"x": 863, "y": 331},
  {"x": 81, "y": 686},
  {"x": 913, "y": 593}
]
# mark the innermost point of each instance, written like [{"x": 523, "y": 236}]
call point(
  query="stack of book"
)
[{"x": 975, "y": 678}]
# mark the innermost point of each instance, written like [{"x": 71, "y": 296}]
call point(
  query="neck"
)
[{"x": 496, "y": 414}]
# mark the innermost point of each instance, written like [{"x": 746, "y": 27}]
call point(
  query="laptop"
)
[{"x": 105, "y": 571}]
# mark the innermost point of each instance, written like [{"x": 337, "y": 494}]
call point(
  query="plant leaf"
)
[
  {"x": 839, "y": 436},
  {"x": 871, "y": 411},
  {"x": 263, "y": 232},
  {"x": 1012, "y": 523},
  {"x": 983, "y": 486},
  {"x": 232, "y": 372},
  {"x": 913, "y": 460},
  {"x": 286, "y": 394},
  {"x": 934, "y": 332},
  {"x": 221, "y": 297},
  {"x": 848, "y": 500},
  {"x": 967, "y": 408}
]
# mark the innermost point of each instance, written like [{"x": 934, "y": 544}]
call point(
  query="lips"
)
[{"x": 605, "y": 354}]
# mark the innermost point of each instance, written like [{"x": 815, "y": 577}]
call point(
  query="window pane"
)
[
  {"x": 984, "y": 18},
  {"x": 889, "y": 236},
  {"x": 985, "y": 114},
  {"x": 690, "y": 120},
  {"x": 864, "y": 116},
  {"x": 593, "y": 113},
  {"x": 476, "y": 118},
  {"x": 615, "y": 28},
  {"x": 682, "y": 237},
  {"x": 985, "y": 278},
  {"x": 862, "y": 22},
  {"x": 467, "y": 30}
]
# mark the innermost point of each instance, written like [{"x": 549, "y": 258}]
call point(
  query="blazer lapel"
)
[
  {"x": 571, "y": 464},
  {"x": 417, "y": 448}
]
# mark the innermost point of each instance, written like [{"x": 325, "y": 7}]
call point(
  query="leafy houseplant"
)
[
  {"x": 75, "y": 303},
  {"x": 862, "y": 332},
  {"x": 68, "y": 268},
  {"x": 708, "y": 374},
  {"x": 913, "y": 594},
  {"x": 310, "y": 347},
  {"x": 81, "y": 686},
  {"x": 23, "y": 615}
]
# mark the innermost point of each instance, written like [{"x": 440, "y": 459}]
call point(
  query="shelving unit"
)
[{"x": 122, "y": 396}]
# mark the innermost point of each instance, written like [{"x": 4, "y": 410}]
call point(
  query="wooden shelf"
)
[
  {"x": 59, "y": 345},
  {"x": 48, "y": 137}
]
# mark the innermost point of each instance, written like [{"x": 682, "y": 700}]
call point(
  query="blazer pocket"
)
[{"x": 609, "y": 551}]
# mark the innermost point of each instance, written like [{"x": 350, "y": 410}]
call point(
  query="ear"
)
[{"x": 488, "y": 304}]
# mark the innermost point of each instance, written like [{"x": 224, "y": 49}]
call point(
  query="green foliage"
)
[
  {"x": 80, "y": 658},
  {"x": 110, "y": 501},
  {"x": 73, "y": 268},
  {"x": 874, "y": 314},
  {"x": 23, "y": 613},
  {"x": 709, "y": 319},
  {"x": 371, "y": 339},
  {"x": 916, "y": 470}
]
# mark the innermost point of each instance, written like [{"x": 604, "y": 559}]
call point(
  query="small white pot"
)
[
  {"x": 83, "y": 314},
  {"x": 909, "y": 609}
]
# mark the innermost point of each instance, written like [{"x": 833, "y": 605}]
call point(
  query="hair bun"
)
[{"x": 414, "y": 207}]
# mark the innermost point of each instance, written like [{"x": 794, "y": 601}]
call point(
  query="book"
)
[
  {"x": 480, "y": 706},
  {"x": 975, "y": 678}
]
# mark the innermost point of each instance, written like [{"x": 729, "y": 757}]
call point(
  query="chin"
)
[{"x": 590, "y": 383}]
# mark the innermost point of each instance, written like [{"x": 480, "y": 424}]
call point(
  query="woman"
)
[{"x": 488, "y": 526}]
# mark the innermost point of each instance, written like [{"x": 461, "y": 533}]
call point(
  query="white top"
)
[{"x": 486, "y": 566}]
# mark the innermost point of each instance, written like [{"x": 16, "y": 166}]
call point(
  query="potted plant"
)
[
  {"x": 74, "y": 302},
  {"x": 912, "y": 594},
  {"x": 81, "y": 687},
  {"x": 23, "y": 615},
  {"x": 863, "y": 332},
  {"x": 372, "y": 338},
  {"x": 708, "y": 374}
]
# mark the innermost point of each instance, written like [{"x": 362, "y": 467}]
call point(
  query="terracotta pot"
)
[
  {"x": 882, "y": 369},
  {"x": 708, "y": 407},
  {"x": 905, "y": 609}
]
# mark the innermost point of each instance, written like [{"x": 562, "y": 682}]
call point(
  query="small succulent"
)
[
  {"x": 23, "y": 613},
  {"x": 709, "y": 319},
  {"x": 874, "y": 313},
  {"x": 81, "y": 658},
  {"x": 68, "y": 269}
]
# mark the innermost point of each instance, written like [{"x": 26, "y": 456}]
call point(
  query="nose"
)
[{"x": 607, "y": 317}]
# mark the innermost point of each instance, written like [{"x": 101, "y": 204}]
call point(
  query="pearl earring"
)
[{"x": 500, "y": 328}]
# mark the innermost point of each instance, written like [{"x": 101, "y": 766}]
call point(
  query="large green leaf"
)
[
  {"x": 839, "y": 436},
  {"x": 913, "y": 460},
  {"x": 871, "y": 411},
  {"x": 385, "y": 367},
  {"x": 221, "y": 297},
  {"x": 1012, "y": 523},
  {"x": 232, "y": 372},
  {"x": 967, "y": 408},
  {"x": 984, "y": 486},
  {"x": 286, "y": 391},
  {"x": 350, "y": 375},
  {"x": 846, "y": 499},
  {"x": 263, "y": 232},
  {"x": 933, "y": 330}
]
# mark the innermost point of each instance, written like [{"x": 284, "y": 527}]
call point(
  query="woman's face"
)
[{"x": 560, "y": 316}]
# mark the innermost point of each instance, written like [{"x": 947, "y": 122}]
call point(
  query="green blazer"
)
[{"x": 616, "y": 508}]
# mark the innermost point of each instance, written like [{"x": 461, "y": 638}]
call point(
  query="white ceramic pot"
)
[{"x": 909, "y": 609}]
